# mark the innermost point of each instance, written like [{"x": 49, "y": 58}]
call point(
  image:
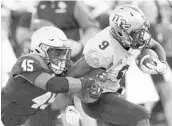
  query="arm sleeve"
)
[
  {"x": 53, "y": 83},
  {"x": 63, "y": 84},
  {"x": 57, "y": 85},
  {"x": 154, "y": 45}
]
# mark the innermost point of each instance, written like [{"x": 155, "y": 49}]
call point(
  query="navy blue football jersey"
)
[{"x": 21, "y": 99}]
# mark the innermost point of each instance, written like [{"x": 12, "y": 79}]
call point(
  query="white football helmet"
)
[
  {"x": 129, "y": 26},
  {"x": 52, "y": 44}
]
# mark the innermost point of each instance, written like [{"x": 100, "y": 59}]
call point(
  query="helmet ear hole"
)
[
  {"x": 120, "y": 34},
  {"x": 37, "y": 50}
]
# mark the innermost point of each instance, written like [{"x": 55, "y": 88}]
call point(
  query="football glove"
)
[
  {"x": 95, "y": 90},
  {"x": 108, "y": 82},
  {"x": 71, "y": 115},
  {"x": 159, "y": 67}
]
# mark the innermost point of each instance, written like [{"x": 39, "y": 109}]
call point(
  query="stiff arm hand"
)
[{"x": 71, "y": 115}]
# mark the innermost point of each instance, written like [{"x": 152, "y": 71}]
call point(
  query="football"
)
[{"x": 146, "y": 56}]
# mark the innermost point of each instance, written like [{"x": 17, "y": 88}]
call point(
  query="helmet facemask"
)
[
  {"x": 139, "y": 38},
  {"x": 58, "y": 58},
  {"x": 129, "y": 27},
  {"x": 52, "y": 44}
]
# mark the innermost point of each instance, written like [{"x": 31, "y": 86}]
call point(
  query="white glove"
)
[
  {"x": 71, "y": 115},
  {"x": 160, "y": 67},
  {"x": 108, "y": 83}
]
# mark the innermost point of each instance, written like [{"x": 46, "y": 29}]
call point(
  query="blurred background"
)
[{"x": 80, "y": 20}]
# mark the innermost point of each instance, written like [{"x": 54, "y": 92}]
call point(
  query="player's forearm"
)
[
  {"x": 60, "y": 84},
  {"x": 63, "y": 85},
  {"x": 154, "y": 45}
]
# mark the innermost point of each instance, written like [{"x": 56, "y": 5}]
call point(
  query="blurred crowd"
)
[{"x": 81, "y": 20}]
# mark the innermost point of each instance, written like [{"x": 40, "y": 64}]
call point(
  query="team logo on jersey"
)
[
  {"x": 117, "y": 19},
  {"x": 95, "y": 59}
]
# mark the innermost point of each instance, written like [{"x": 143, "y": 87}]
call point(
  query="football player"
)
[
  {"x": 38, "y": 77},
  {"x": 113, "y": 50}
]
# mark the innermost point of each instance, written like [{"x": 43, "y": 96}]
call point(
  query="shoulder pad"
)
[
  {"x": 96, "y": 60},
  {"x": 29, "y": 67},
  {"x": 31, "y": 63},
  {"x": 98, "y": 51}
]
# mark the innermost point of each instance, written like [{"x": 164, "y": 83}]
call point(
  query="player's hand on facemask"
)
[
  {"x": 72, "y": 116},
  {"x": 159, "y": 67}
]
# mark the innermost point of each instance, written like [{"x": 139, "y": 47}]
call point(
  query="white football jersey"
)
[{"x": 103, "y": 51}]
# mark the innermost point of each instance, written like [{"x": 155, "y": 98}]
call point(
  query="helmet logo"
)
[{"x": 121, "y": 23}]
